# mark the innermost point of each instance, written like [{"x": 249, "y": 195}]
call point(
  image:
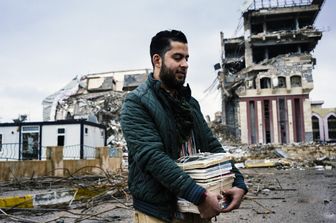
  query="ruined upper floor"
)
[
  {"x": 267, "y": 16},
  {"x": 272, "y": 28}
]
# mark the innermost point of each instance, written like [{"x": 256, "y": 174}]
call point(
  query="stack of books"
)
[{"x": 210, "y": 170}]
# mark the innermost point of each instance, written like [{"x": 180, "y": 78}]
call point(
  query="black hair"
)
[{"x": 160, "y": 43}]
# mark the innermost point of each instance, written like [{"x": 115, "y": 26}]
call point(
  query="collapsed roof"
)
[{"x": 96, "y": 97}]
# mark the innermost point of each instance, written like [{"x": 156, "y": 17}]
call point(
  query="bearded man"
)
[{"x": 161, "y": 122}]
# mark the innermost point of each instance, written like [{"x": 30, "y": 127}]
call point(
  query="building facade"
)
[
  {"x": 323, "y": 122},
  {"x": 266, "y": 74}
]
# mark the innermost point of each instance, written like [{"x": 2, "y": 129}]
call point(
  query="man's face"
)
[{"x": 174, "y": 66}]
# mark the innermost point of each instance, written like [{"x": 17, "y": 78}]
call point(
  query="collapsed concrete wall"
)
[
  {"x": 102, "y": 107},
  {"x": 97, "y": 98},
  {"x": 284, "y": 74}
]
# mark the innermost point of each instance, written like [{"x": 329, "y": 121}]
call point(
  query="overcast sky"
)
[{"x": 46, "y": 43}]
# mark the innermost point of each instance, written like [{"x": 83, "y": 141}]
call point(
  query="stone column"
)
[
  {"x": 55, "y": 154},
  {"x": 243, "y": 122},
  {"x": 275, "y": 122},
  {"x": 103, "y": 155}
]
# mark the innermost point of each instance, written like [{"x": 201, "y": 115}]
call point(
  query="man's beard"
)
[{"x": 168, "y": 78}]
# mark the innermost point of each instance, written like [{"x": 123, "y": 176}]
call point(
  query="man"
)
[{"x": 161, "y": 122}]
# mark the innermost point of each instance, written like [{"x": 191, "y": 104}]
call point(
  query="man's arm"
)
[{"x": 239, "y": 189}]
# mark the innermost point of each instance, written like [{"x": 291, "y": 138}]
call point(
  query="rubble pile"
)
[
  {"x": 93, "y": 192},
  {"x": 313, "y": 155},
  {"x": 223, "y": 134},
  {"x": 285, "y": 156},
  {"x": 103, "y": 107},
  {"x": 97, "y": 98},
  {"x": 295, "y": 155}
]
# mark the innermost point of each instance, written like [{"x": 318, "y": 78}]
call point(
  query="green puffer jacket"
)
[{"x": 150, "y": 132}]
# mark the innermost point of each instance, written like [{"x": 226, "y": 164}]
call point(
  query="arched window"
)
[
  {"x": 281, "y": 82},
  {"x": 295, "y": 81},
  {"x": 265, "y": 82},
  {"x": 332, "y": 127},
  {"x": 316, "y": 128}
]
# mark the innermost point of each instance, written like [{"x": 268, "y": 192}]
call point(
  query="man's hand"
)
[
  {"x": 210, "y": 207},
  {"x": 233, "y": 197}
]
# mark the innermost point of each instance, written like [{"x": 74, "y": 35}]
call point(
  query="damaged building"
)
[
  {"x": 266, "y": 75},
  {"x": 324, "y": 122},
  {"x": 94, "y": 97}
]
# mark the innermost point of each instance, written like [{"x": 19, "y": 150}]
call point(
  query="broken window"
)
[
  {"x": 234, "y": 47},
  {"x": 281, "y": 82},
  {"x": 276, "y": 50},
  {"x": 306, "y": 21},
  {"x": 250, "y": 84},
  {"x": 332, "y": 127},
  {"x": 258, "y": 54},
  {"x": 265, "y": 82},
  {"x": 295, "y": 81},
  {"x": 257, "y": 28},
  {"x": 316, "y": 128},
  {"x": 285, "y": 24}
]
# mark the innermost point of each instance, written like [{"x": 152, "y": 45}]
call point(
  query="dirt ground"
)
[
  {"x": 291, "y": 195},
  {"x": 287, "y": 196}
]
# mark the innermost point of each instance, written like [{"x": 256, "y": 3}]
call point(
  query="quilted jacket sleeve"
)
[{"x": 146, "y": 151}]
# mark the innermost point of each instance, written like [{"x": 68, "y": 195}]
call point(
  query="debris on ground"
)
[
  {"x": 284, "y": 156},
  {"x": 39, "y": 196}
]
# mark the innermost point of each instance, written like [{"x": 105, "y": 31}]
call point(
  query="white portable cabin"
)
[{"x": 28, "y": 140}]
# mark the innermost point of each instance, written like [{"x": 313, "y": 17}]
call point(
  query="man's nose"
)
[{"x": 184, "y": 63}]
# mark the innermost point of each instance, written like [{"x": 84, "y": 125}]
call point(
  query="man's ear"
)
[{"x": 157, "y": 61}]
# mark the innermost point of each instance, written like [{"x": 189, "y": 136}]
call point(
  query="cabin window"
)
[
  {"x": 61, "y": 130},
  {"x": 60, "y": 136}
]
